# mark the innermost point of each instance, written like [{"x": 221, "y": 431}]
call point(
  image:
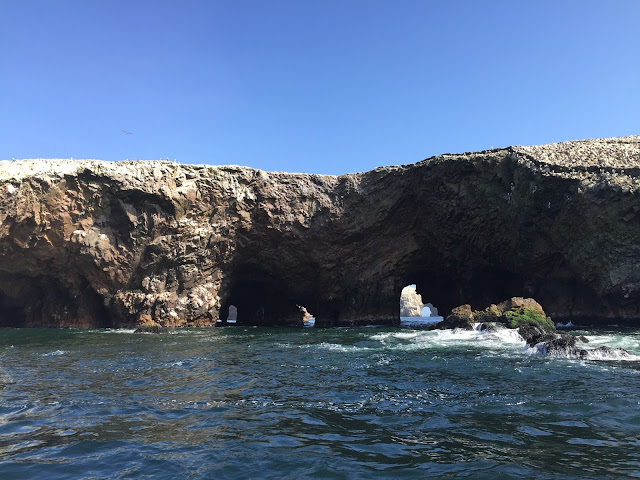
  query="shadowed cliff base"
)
[{"x": 101, "y": 244}]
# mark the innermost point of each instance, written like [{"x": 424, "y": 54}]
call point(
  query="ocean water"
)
[{"x": 236, "y": 402}]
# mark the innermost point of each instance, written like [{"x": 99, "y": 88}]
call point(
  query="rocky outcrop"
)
[
  {"x": 513, "y": 312},
  {"x": 537, "y": 330},
  {"x": 564, "y": 345},
  {"x": 90, "y": 243},
  {"x": 410, "y": 302},
  {"x": 460, "y": 317}
]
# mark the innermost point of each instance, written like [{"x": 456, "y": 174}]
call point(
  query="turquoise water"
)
[{"x": 241, "y": 402}]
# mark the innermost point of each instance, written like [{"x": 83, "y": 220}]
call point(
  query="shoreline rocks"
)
[{"x": 537, "y": 330}]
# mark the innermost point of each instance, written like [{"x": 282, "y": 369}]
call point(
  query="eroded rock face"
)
[
  {"x": 89, "y": 243},
  {"x": 410, "y": 303}
]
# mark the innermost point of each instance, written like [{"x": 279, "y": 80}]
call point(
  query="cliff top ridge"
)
[{"x": 616, "y": 153}]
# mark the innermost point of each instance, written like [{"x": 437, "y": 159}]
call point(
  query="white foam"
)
[
  {"x": 496, "y": 340},
  {"x": 398, "y": 335},
  {"x": 499, "y": 339},
  {"x": 508, "y": 335},
  {"x": 54, "y": 354},
  {"x": 115, "y": 330},
  {"x": 612, "y": 355},
  {"x": 340, "y": 348},
  {"x": 406, "y": 335},
  {"x": 628, "y": 342},
  {"x": 592, "y": 354}
]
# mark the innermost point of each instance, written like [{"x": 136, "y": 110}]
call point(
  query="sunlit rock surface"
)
[
  {"x": 410, "y": 302},
  {"x": 90, "y": 243}
]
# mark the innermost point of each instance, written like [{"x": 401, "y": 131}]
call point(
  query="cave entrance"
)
[
  {"x": 412, "y": 309},
  {"x": 260, "y": 298},
  {"x": 12, "y": 313},
  {"x": 48, "y": 302}
]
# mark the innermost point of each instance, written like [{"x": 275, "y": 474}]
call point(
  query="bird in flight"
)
[{"x": 128, "y": 133}]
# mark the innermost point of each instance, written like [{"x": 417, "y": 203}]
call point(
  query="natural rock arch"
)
[{"x": 433, "y": 311}]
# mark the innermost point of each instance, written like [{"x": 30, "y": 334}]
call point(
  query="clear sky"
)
[{"x": 322, "y": 86}]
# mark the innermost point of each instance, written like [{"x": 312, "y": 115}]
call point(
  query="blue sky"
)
[{"x": 321, "y": 86}]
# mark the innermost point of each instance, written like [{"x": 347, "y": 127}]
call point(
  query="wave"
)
[
  {"x": 603, "y": 352},
  {"x": 496, "y": 339},
  {"x": 113, "y": 330},
  {"x": 54, "y": 354}
]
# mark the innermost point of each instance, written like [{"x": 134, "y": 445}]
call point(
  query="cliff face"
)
[{"x": 89, "y": 243}]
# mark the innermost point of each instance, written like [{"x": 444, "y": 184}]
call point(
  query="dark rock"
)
[
  {"x": 489, "y": 327},
  {"x": 583, "y": 339},
  {"x": 561, "y": 346},
  {"x": 604, "y": 353},
  {"x": 534, "y": 335},
  {"x": 488, "y": 316},
  {"x": 460, "y": 317},
  {"x": 151, "y": 329},
  {"x": 564, "y": 346}
]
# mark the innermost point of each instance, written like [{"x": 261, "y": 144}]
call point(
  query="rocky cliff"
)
[
  {"x": 90, "y": 243},
  {"x": 410, "y": 302}
]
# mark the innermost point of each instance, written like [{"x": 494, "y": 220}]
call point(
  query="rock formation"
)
[
  {"x": 90, "y": 243},
  {"x": 536, "y": 329},
  {"x": 410, "y": 302}
]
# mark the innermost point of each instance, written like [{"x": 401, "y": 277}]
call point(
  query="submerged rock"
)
[
  {"x": 606, "y": 353},
  {"x": 564, "y": 345},
  {"x": 151, "y": 329},
  {"x": 489, "y": 327}
]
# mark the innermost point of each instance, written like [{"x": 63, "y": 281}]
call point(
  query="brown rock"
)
[
  {"x": 181, "y": 243},
  {"x": 460, "y": 317},
  {"x": 516, "y": 304}
]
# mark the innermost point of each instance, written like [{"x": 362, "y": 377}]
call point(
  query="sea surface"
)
[{"x": 239, "y": 402}]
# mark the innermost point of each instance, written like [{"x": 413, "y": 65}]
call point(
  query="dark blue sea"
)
[{"x": 236, "y": 402}]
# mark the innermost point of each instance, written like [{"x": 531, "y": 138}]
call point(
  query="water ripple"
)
[{"x": 348, "y": 403}]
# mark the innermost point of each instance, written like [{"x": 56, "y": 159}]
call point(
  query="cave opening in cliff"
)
[
  {"x": 260, "y": 298},
  {"x": 413, "y": 309},
  {"x": 48, "y": 302},
  {"x": 12, "y": 313}
]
